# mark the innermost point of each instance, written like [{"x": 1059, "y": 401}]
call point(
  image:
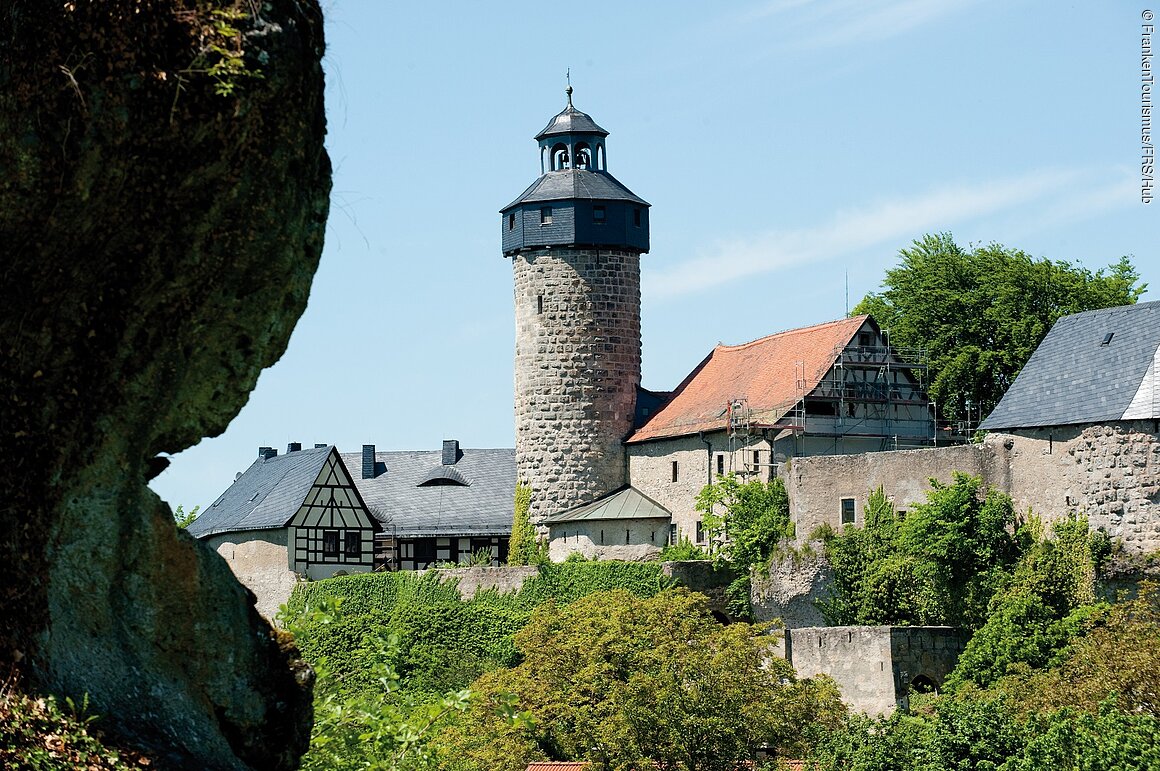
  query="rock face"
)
[{"x": 162, "y": 208}]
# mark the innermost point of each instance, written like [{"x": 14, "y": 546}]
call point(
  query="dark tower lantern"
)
[{"x": 575, "y": 202}]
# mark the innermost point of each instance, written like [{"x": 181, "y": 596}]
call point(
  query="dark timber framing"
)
[{"x": 333, "y": 515}]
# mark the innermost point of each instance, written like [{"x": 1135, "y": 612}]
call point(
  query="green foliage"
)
[
  {"x": 184, "y": 519},
  {"x": 382, "y": 727},
  {"x": 683, "y": 550},
  {"x": 616, "y": 679},
  {"x": 221, "y": 54},
  {"x": 1045, "y": 606},
  {"x": 42, "y": 734},
  {"x": 981, "y": 313},
  {"x": 752, "y": 516},
  {"x": 940, "y": 565},
  {"x": 523, "y": 549},
  {"x": 444, "y": 642}
]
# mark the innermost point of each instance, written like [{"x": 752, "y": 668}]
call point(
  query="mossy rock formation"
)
[{"x": 162, "y": 206}]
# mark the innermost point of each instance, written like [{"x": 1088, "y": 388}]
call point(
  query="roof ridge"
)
[{"x": 739, "y": 346}]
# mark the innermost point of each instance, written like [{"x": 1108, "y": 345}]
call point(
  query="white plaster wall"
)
[
  {"x": 646, "y": 538},
  {"x": 650, "y": 470},
  {"x": 259, "y": 561}
]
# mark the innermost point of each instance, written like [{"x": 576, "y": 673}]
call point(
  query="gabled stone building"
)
[
  {"x": 833, "y": 388},
  {"x": 1078, "y": 432}
]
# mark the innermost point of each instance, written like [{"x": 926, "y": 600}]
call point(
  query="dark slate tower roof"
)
[
  {"x": 1093, "y": 367},
  {"x": 575, "y": 201},
  {"x": 571, "y": 121}
]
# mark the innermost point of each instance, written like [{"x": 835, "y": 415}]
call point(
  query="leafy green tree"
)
[
  {"x": 752, "y": 516},
  {"x": 939, "y": 565},
  {"x": 980, "y": 313},
  {"x": 749, "y": 519},
  {"x": 184, "y": 519},
  {"x": 621, "y": 681},
  {"x": 1049, "y": 602}
]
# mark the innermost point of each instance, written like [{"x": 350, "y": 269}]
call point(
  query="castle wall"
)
[
  {"x": 1109, "y": 473},
  {"x": 577, "y": 368},
  {"x": 817, "y": 485},
  {"x": 874, "y": 666}
]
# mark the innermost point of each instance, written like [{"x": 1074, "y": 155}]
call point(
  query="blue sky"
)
[{"x": 783, "y": 146}]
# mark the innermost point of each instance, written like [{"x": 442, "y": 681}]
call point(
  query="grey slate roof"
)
[
  {"x": 482, "y": 507},
  {"x": 570, "y": 121},
  {"x": 266, "y": 496},
  {"x": 571, "y": 184},
  {"x": 625, "y": 503},
  {"x": 1073, "y": 379}
]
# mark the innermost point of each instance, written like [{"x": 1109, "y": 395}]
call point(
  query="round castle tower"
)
[{"x": 575, "y": 237}]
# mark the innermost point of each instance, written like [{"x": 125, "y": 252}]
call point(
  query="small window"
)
[
  {"x": 672, "y": 535},
  {"x": 601, "y": 537},
  {"x": 636, "y": 217},
  {"x": 353, "y": 544},
  {"x": 626, "y": 539},
  {"x": 598, "y": 214},
  {"x": 700, "y": 532},
  {"x": 540, "y": 304},
  {"x": 512, "y": 221},
  {"x": 674, "y": 471},
  {"x": 720, "y": 463},
  {"x": 1108, "y": 338},
  {"x": 546, "y": 215},
  {"x": 329, "y": 543},
  {"x": 847, "y": 511},
  {"x": 864, "y": 339},
  {"x": 757, "y": 457}
]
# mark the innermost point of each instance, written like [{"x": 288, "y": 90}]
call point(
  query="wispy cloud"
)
[
  {"x": 810, "y": 24},
  {"x": 1044, "y": 194}
]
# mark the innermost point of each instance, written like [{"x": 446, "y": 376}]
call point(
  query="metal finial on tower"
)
[{"x": 568, "y": 90}]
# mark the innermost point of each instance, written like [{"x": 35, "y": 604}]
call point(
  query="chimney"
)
[
  {"x": 294, "y": 447},
  {"x": 450, "y": 451},
  {"x": 368, "y": 470},
  {"x": 265, "y": 453}
]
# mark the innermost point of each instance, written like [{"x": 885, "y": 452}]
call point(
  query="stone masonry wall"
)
[
  {"x": 577, "y": 368},
  {"x": 1109, "y": 473},
  {"x": 874, "y": 666},
  {"x": 816, "y": 485},
  {"x": 650, "y": 470}
]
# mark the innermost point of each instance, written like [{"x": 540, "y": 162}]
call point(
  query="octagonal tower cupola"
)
[{"x": 575, "y": 201}]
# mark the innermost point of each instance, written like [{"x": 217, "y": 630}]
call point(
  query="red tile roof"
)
[{"x": 765, "y": 372}]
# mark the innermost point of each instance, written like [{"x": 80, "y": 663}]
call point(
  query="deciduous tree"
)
[{"x": 981, "y": 313}]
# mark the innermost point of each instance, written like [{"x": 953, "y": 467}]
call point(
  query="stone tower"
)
[{"x": 575, "y": 237}]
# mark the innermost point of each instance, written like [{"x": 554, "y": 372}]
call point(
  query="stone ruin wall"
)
[
  {"x": 577, "y": 368},
  {"x": 1109, "y": 473},
  {"x": 874, "y": 666}
]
